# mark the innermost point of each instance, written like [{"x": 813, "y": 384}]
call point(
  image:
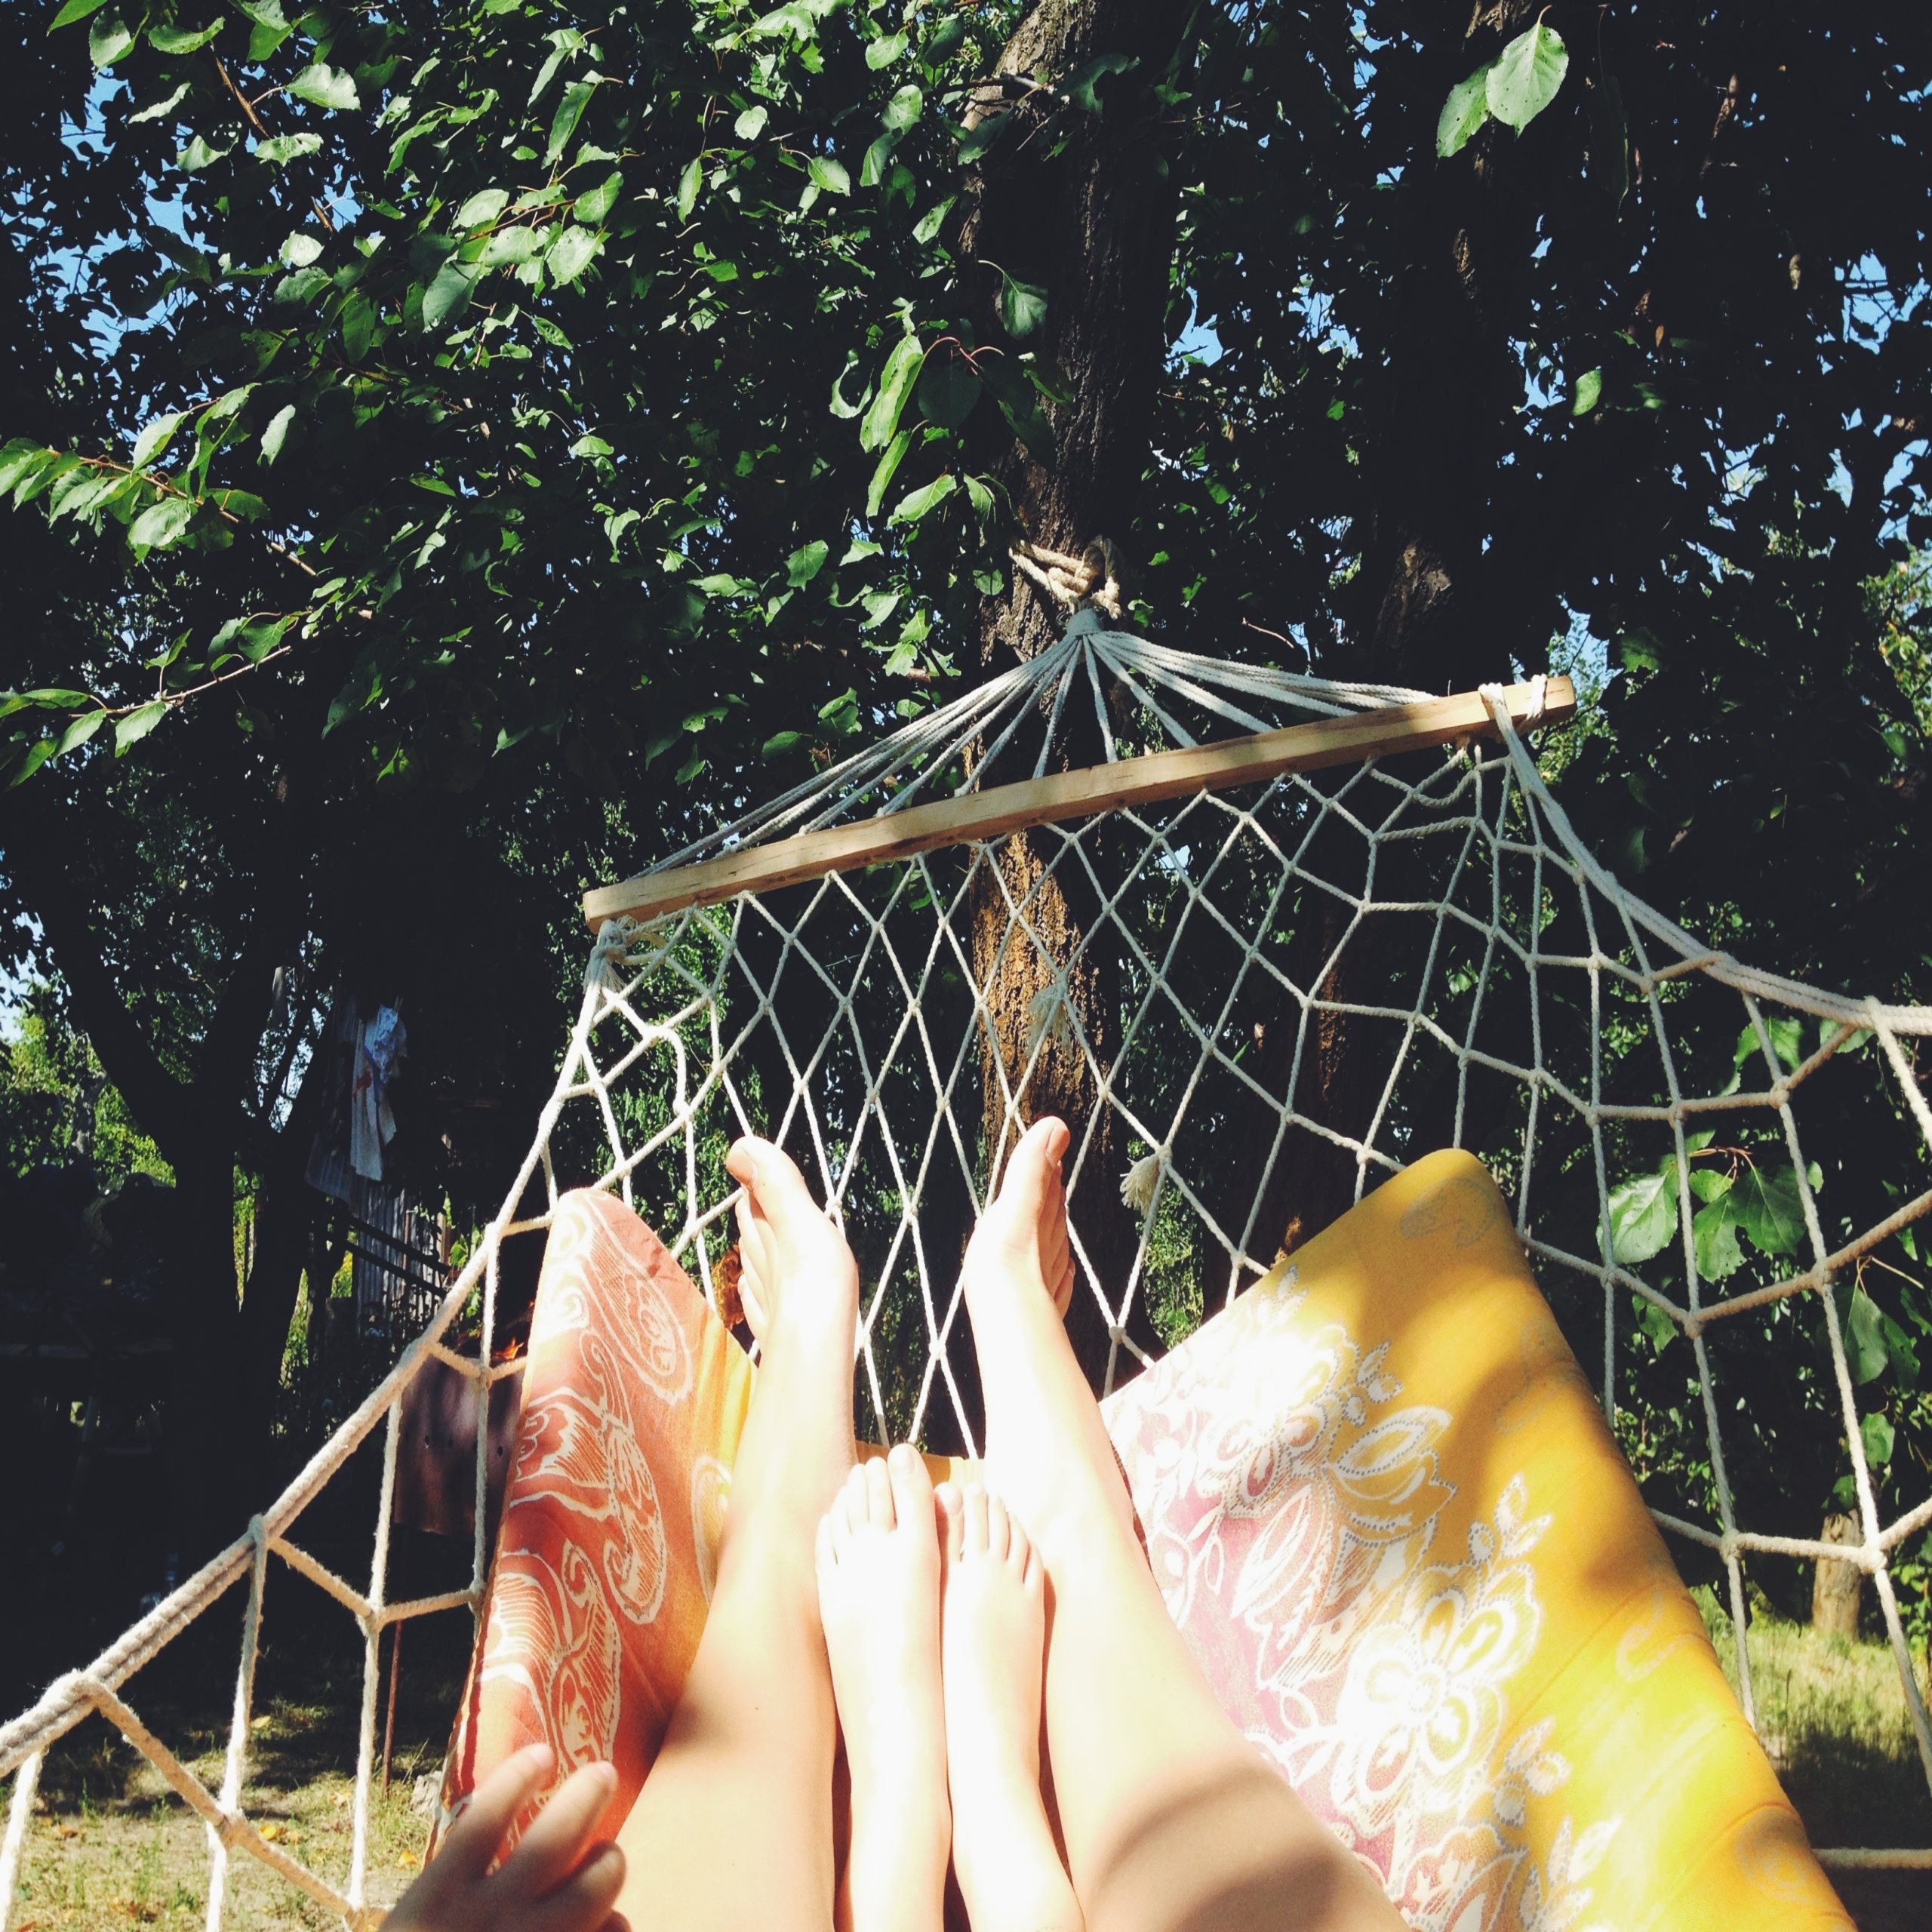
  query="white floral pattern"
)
[{"x": 1293, "y": 1504}]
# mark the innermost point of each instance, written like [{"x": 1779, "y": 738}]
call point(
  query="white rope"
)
[{"x": 847, "y": 1018}]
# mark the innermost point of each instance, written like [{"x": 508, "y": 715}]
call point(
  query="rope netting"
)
[{"x": 1671, "y": 1125}]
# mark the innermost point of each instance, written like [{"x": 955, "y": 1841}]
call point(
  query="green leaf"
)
[
  {"x": 944, "y": 39},
  {"x": 871, "y": 169},
  {"x": 298, "y": 250},
  {"x": 1879, "y": 1438},
  {"x": 1463, "y": 113},
  {"x": 482, "y": 207},
  {"x": 22, "y": 459},
  {"x": 1526, "y": 76},
  {"x": 927, "y": 225},
  {"x": 280, "y": 149},
  {"x": 198, "y": 155},
  {"x": 325, "y": 86},
  {"x": 154, "y": 438},
  {"x": 1714, "y": 1235},
  {"x": 915, "y": 503},
  {"x": 1643, "y": 1214},
  {"x": 880, "y": 53},
  {"x": 688, "y": 184},
  {"x": 1022, "y": 306},
  {"x": 977, "y": 143},
  {"x": 881, "y": 481},
  {"x": 162, "y": 523},
  {"x": 572, "y": 253},
  {"x": 1589, "y": 389},
  {"x": 133, "y": 728},
  {"x": 448, "y": 295},
  {"x": 1078, "y": 86},
  {"x": 840, "y": 407},
  {"x": 570, "y": 111},
  {"x": 828, "y": 174},
  {"x": 110, "y": 40},
  {"x": 79, "y": 732},
  {"x": 157, "y": 109},
  {"x": 904, "y": 108},
  {"x": 1865, "y": 1353},
  {"x": 981, "y": 497},
  {"x": 182, "y": 40},
  {"x": 1770, "y": 1209},
  {"x": 881, "y": 419},
  {"x": 802, "y": 565},
  {"x": 948, "y": 387},
  {"x": 750, "y": 125},
  {"x": 782, "y": 742},
  {"x": 1020, "y": 404},
  {"x": 75, "y": 10},
  {"x": 594, "y": 203},
  {"x": 276, "y": 434}
]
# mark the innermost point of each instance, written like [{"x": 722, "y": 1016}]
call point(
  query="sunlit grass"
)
[{"x": 1833, "y": 1718}]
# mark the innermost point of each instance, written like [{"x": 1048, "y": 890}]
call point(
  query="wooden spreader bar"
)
[{"x": 1066, "y": 795}]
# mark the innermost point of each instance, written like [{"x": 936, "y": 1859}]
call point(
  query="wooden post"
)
[{"x": 389, "y": 1719}]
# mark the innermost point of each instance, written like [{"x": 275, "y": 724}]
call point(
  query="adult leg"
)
[
  {"x": 1172, "y": 1821},
  {"x": 734, "y": 1825},
  {"x": 879, "y": 1582}
]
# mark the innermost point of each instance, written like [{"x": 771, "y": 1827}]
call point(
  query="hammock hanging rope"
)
[{"x": 831, "y": 996}]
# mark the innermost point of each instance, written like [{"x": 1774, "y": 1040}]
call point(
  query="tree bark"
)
[
  {"x": 1837, "y": 1589},
  {"x": 1432, "y": 609},
  {"x": 1089, "y": 218}
]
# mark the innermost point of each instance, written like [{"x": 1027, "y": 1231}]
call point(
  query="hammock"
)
[{"x": 823, "y": 969}]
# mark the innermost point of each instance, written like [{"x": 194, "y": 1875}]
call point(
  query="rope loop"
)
[{"x": 1092, "y": 578}]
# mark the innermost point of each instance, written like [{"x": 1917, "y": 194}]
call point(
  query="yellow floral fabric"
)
[{"x": 1391, "y": 1522}]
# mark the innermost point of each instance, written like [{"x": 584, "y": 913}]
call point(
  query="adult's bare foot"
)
[
  {"x": 800, "y": 1286},
  {"x": 1047, "y": 1451},
  {"x": 993, "y": 1627},
  {"x": 878, "y": 1585}
]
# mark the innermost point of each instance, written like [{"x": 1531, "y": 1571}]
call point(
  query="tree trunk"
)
[
  {"x": 1837, "y": 1589},
  {"x": 1089, "y": 218},
  {"x": 1433, "y": 609}
]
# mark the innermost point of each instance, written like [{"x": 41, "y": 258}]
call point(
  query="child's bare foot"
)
[
  {"x": 556, "y": 1880},
  {"x": 1047, "y": 1451},
  {"x": 993, "y": 1628},
  {"x": 878, "y": 1572}
]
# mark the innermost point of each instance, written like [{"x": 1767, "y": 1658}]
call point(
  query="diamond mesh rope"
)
[{"x": 1523, "y": 1003}]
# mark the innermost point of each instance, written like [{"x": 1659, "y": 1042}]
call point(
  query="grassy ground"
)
[{"x": 111, "y": 1845}]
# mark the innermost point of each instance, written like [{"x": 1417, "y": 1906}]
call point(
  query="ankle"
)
[{"x": 1008, "y": 1865}]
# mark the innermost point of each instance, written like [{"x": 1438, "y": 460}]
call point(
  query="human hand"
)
[{"x": 546, "y": 1884}]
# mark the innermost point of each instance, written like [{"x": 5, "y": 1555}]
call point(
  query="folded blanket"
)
[{"x": 1385, "y": 1510}]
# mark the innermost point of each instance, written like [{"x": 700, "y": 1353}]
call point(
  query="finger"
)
[
  {"x": 554, "y": 1845},
  {"x": 474, "y": 1837},
  {"x": 583, "y": 1903}
]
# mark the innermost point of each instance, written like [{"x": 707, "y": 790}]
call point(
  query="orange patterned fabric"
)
[{"x": 1388, "y": 1519}]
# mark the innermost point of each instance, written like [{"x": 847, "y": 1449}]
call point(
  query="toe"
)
[
  {"x": 854, "y": 1502},
  {"x": 952, "y": 1519},
  {"x": 974, "y": 1540},
  {"x": 1019, "y": 1547},
  {"x": 996, "y": 1529},
  {"x": 878, "y": 1494},
  {"x": 911, "y": 1487},
  {"x": 778, "y": 1189}
]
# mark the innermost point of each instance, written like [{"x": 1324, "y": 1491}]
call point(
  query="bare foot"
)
[
  {"x": 1047, "y": 1451},
  {"x": 879, "y": 1583},
  {"x": 801, "y": 1291},
  {"x": 797, "y": 1267},
  {"x": 993, "y": 1625}
]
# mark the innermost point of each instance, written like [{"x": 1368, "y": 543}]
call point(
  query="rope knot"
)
[{"x": 1093, "y": 577}]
